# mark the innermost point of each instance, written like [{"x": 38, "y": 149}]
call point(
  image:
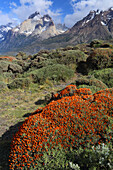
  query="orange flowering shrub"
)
[
  {"x": 70, "y": 90},
  {"x": 8, "y": 58},
  {"x": 71, "y": 121}
]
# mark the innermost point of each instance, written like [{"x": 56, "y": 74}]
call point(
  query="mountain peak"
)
[{"x": 34, "y": 15}]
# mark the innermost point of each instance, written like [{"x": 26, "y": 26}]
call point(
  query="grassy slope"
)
[{"x": 15, "y": 106}]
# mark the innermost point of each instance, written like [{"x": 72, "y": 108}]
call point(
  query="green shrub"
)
[
  {"x": 52, "y": 72},
  {"x": 69, "y": 57},
  {"x": 2, "y": 85},
  {"x": 99, "y": 59},
  {"x": 15, "y": 68},
  {"x": 98, "y": 157},
  {"x": 105, "y": 75},
  {"x": 90, "y": 81},
  {"x": 99, "y": 43},
  {"x": 50, "y": 62},
  {"x": 1, "y": 77},
  {"x": 73, "y": 56},
  {"x": 96, "y": 43},
  {"x": 94, "y": 89},
  {"x": 19, "y": 83},
  {"x": 4, "y": 66},
  {"x": 54, "y": 159},
  {"x": 8, "y": 77},
  {"x": 23, "y": 64},
  {"x": 21, "y": 56}
]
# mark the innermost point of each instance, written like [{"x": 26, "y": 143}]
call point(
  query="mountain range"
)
[{"x": 39, "y": 32}]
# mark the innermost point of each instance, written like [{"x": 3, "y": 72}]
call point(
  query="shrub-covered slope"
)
[{"x": 73, "y": 119}]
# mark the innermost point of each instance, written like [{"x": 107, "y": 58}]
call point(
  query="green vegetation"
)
[
  {"x": 19, "y": 83},
  {"x": 90, "y": 82},
  {"x": 99, "y": 59},
  {"x": 31, "y": 81},
  {"x": 2, "y": 85},
  {"x": 53, "y": 72},
  {"x": 100, "y": 44},
  {"x": 105, "y": 75}
]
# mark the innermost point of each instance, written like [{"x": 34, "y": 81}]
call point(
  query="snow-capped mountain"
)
[
  {"x": 4, "y": 30},
  {"x": 96, "y": 25},
  {"x": 33, "y": 33},
  {"x": 37, "y": 25}
]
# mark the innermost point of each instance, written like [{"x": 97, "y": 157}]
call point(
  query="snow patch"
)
[
  {"x": 1, "y": 36},
  {"x": 61, "y": 31},
  {"x": 6, "y": 29},
  {"x": 103, "y": 23},
  {"x": 87, "y": 21},
  {"x": 46, "y": 19},
  {"x": 2, "y": 39},
  {"x": 16, "y": 29},
  {"x": 97, "y": 12},
  {"x": 83, "y": 23},
  {"x": 92, "y": 16},
  {"x": 43, "y": 29},
  {"x": 37, "y": 18},
  {"x": 28, "y": 33}
]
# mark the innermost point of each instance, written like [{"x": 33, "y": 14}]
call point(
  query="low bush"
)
[
  {"x": 7, "y": 77},
  {"x": 4, "y": 66},
  {"x": 19, "y": 83},
  {"x": 55, "y": 72},
  {"x": 15, "y": 68},
  {"x": 71, "y": 58},
  {"x": 99, "y": 43},
  {"x": 99, "y": 59},
  {"x": 94, "y": 89},
  {"x": 21, "y": 56},
  {"x": 90, "y": 81},
  {"x": 79, "y": 125},
  {"x": 105, "y": 75},
  {"x": 3, "y": 85}
]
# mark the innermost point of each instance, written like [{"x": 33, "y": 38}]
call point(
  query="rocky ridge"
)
[{"x": 96, "y": 25}]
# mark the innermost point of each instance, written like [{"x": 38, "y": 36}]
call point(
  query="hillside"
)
[{"x": 56, "y": 80}]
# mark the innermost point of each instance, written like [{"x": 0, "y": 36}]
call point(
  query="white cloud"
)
[
  {"x": 13, "y": 4},
  {"x": 30, "y": 6},
  {"x": 4, "y": 18},
  {"x": 26, "y": 8},
  {"x": 55, "y": 15},
  {"x": 82, "y": 8}
]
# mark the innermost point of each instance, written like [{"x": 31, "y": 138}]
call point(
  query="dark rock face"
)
[
  {"x": 96, "y": 25},
  {"x": 33, "y": 15}
]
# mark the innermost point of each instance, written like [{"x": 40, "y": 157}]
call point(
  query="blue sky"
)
[{"x": 65, "y": 11}]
